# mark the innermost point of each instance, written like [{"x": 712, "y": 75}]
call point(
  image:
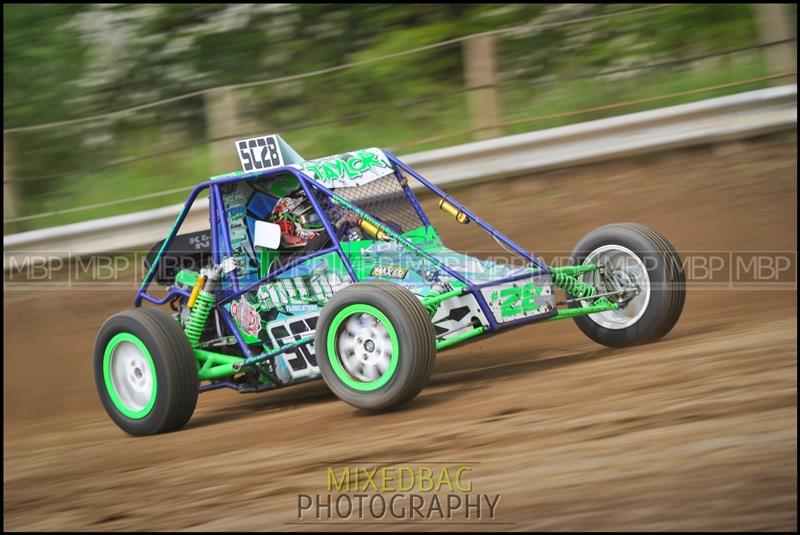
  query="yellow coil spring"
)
[
  {"x": 572, "y": 285},
  {"x": 197, "y": 318}
]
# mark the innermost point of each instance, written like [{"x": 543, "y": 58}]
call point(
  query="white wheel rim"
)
[
  {"x": 625, "y": 263},
  {"x": 131, "y": 376},
  {"x": 364, "y": 347}
]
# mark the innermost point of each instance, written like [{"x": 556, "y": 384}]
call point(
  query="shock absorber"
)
[
  {"x": 451, "y": 209},
  {"x": 572, "y": 285},
  {"x": 201, "y": 302}
]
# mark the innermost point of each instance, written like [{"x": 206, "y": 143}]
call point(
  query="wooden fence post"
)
[
  {"x": 775, "y": 23},
  {"x": 222, "y": 120},
  {"x": 10, "y": 200},
  {"x": 480, "y": 71}
]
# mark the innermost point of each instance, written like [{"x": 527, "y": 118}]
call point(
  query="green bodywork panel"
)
[{"x": 186, "y": 277}]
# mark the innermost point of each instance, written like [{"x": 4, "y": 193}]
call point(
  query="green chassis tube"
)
[{"x": 212, "y": 365}]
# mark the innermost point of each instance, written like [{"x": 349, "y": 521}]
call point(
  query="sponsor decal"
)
[
  {"x": 350, "y": 169},
  {"x": 380, "y": 247},
  {"x": 246, "y": 316},
  {"x": 203, "y": 241},
  {"x": 393, "y": 272},
  {"x": 297, "y": 293},
  {"x": 234, "y": 201}
]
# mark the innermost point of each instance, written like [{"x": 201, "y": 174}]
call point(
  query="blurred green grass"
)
[
  {"x": 393, "y": 129},
  {"x": 592, "y": 93}
]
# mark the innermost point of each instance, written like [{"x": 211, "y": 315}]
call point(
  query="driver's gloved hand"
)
[{"x": 349, "y": 222}]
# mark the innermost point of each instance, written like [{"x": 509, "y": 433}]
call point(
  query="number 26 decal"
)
[{"x": 518, "y": 300}]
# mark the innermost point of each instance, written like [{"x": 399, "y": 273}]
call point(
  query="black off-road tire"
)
[
  {"x": 175, "y": 371},
  {"x": 666, "y": 276},
  {"x": 415, "y": 336}
]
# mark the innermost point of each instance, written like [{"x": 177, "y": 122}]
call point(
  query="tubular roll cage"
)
[{"x": 217, "y": 366}]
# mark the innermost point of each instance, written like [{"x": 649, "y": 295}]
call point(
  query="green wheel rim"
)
[
  {"x": 335, "y": 361},
  {"x": 108, "y": 376}
]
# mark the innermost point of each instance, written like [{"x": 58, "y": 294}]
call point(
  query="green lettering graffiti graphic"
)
[
  {"x": 314, "y": 168},
  {"x": 370, "y": 160},
  {"x": 519, "y": 300},
  {"x": 350, "y": 168},
  {"x": 356, "y": 165},
  {"x": 331, "y": 171}
]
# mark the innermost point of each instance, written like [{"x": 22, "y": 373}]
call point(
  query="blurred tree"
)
[
  {"x": 42, "y": 62},
  {"x": 63, "y": 61}
]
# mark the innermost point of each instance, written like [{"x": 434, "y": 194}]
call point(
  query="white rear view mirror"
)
[{"x": 267, "y": 235}]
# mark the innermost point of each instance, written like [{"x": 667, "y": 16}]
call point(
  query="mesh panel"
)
[
  {"x": 383, "y": 199},
  {"x": 468, "y": 250},
  {"x": 471, "y": 239},
  {"x": 332, "y": 211}
]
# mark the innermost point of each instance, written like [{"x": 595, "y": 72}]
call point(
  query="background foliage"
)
[{"x": 65, "y": 61}]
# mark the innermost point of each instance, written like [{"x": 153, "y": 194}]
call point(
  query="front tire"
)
[
  {"x": 375, "y": 345},
  {"x": 638, "y": 254},
  {"x": 145, "y": 372}
]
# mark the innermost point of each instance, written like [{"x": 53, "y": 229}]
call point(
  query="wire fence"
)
[
  {"x": 328, "y": 70},
  {"x": 592, "y": 110},
  {"x": 662, "y": 64},
  {"x": 411, "y": 103},
  {"x": 398, "y": 106},
  {"x": 506, "y": 124},
  {"x": 208, "y": 140}
]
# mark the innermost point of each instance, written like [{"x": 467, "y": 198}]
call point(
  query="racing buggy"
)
[{"x": 330, "y": 268}]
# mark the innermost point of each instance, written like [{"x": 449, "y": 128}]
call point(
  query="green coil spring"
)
[
  {"x": 432, "y": 308},
  {"x": 197, "y": 318},
  {"x": 572, "y": 285}
]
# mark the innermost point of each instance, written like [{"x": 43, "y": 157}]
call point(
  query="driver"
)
[
  {"x": 301, "y": 226},
  {"x": 299, "y": 223}
]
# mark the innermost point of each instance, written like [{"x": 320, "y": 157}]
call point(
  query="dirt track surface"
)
[{"x": 697, "y": 431}]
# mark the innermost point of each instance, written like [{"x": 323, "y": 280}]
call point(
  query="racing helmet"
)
[{"x": 298, "y": 220}]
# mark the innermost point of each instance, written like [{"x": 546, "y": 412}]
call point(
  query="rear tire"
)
[
  {"x": 375, "y": 345},
  {"x": 145, "y": 372},
  {"x": 646, "y": 256}
]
